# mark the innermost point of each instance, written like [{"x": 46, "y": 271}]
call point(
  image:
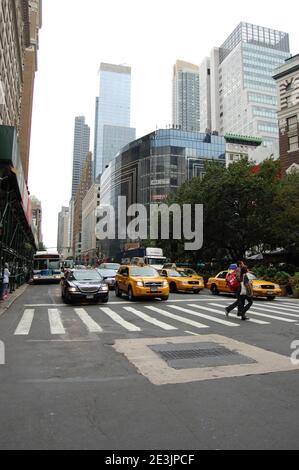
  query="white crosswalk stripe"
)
[
  {"x": 90, "y": 324},
  {"x": 118, "y": 319},
  {"x": 55, "y": 321},
  {"x": 24, "y": 326},
  {"x": 177, "y": 317},
  {"x": 149, "y": 319},
  {"x": 289, "y": 304},
  {"x": 276, "y": 307},
  {"x": 221, "y": 312},
  {"x": 203, "y": 315},
  {"x": 277, "y": 312},
  {"x": 266, "y": 315}
]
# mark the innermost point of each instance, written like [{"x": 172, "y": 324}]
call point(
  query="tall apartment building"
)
[
  {"x": 20, "y": 21},
  {"x": 37, "y": 217},
  {"x": 287, "y": 78},
  {"x": 243, "y": 93},
  {"x": 81, "y": 149},
  {"x": 185, "y": 96},
  {"x": 113, "y": 115},
  {"x": 84, "y": 185},
  {"x": 19, "y": 27},
  {"x": 205, "y": 95},
  {"x": 63, "y": 233},
  {"x": 90, "y": 245}
]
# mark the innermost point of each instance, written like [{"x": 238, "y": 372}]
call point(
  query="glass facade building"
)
[
  {"x": 242, "y": 81},
  {"x": 147, "y": 170},
  {"x": 185, "y": 92},
  {"x": 113, "y": 108},
  {"x": 81, "y": 149}
]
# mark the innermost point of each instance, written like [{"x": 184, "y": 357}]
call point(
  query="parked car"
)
[
  {"x": 137, "y": 281},
  {"x": 109, "y": 276},
  {"x": 179, "y": 281},
  {"x": 260, "y": 287},
  {"x": 84, "y": 284}
]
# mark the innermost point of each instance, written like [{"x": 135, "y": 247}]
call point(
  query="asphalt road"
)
[{"x": 84, "y": 377}]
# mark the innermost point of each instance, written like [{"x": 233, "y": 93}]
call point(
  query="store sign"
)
[
  {"x": 159, "y": 197},
  {"x": 160, "y": 182}
]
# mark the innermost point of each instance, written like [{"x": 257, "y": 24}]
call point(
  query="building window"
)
[
  {"x": 292, "y": 124},
  {"x": 293, "y": 143}
]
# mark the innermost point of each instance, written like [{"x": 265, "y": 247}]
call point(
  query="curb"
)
[{"x": 4, "y": 305}]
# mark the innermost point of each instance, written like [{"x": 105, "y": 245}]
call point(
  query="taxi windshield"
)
[{"x": 144, "y": 272}]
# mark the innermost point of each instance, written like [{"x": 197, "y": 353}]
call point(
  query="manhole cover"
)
[
  {"x": 188, "y": 356},
  {"x": 194, "y": 353}
]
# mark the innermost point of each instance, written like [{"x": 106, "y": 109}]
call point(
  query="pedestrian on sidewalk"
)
[
  {"x": 246, "y": 294},
  {"x": 6, "y": 275},
  {"x": 238, "y": 276}
]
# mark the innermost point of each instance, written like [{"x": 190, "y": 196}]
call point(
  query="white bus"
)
[{"x": 46, "y": 267}]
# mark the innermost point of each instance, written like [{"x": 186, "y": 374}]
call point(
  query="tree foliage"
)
[{"x": 244, "y": 209}]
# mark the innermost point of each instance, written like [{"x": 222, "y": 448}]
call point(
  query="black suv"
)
[{"x": 84, "y": 284}]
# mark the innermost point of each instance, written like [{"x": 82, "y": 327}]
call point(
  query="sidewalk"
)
[{"x": 5, "y": 304}]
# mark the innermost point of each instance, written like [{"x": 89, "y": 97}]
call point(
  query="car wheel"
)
[
  {"x": 271, "y": 297},
  {"x": 117, "y": 291},
  {"x": 214, "y": 289},
  {"x": 196, "y": 291},
  {"x": 173, "y": 287},
  {"x": 130, "y": 294},
  {"x": 165, "y": 297}
]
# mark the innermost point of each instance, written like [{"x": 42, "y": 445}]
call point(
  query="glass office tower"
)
[
  {"x": 243, "y": 92},
  {"x": 113, "y": 108},
  {"x": 185, "y": 96}
]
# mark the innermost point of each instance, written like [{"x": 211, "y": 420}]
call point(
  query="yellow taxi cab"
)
[
  {"x": 260, "y": 287},
  {"x": 140, "y": 281},
  {"x": 193, "y": 274},
  {"x": 179, "y": 281}
]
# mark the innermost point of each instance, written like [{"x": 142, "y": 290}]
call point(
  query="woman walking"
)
[
  {"x": 6, "y": 275},
  {"x": 245, "y": 294}
]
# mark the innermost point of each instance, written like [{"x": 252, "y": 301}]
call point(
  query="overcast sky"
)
[{"x": 148, "y": 35}]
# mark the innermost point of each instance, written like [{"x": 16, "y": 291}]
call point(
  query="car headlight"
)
[
  {"x": 72, "y": 289},
  {"x": 165, "y": 284},
  {"x": 104, "y": 287},
  {"x": 276, "y": 286},
  {"x": 257, "y": 286},
  {"x": 139, "y": 283},
  {"x": 184, "y": 283}
]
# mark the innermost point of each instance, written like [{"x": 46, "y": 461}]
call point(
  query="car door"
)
[
  {"x": 119, "y": 279},
  {"x": 221, "y": 282}
]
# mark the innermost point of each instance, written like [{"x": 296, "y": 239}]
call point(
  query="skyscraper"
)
[
  {"x": 113, "y": 112},
  {"x": 243, "y": 93},
  {"x": 81, "y": 149},
  {"x": 185, "y": 96}
]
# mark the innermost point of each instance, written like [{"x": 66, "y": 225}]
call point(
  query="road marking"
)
[
  {"x": 149, "y": 319},
  {"x": 191, "y": 333},
  {"x": 269, "y": 316},
  {"x": 56, "y": 325},
  {"x": 252, "y": 320},
  {"x": 25, "y": 323},
  {"x": 178, "y": 318},
  {"x": 282, "y": 307},
  {"x": 276, "y": 311},
  {"x": 118, "y": 319},
  {"x": 91, "y": 325},
  {"x": 203, "y": 315}
]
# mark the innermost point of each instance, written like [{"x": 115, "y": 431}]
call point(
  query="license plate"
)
[
  {"x": 89, "y": 297},
  {"x": 270, "y": 292},
  {"x": 154, "y": 289}
]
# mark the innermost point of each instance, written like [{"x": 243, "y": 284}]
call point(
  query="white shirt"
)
[{"x": 6, "y": 276}]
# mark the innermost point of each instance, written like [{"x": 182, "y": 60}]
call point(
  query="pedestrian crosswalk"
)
[{"x": 139, "y": 317}]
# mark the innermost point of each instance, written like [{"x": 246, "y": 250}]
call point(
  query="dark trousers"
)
[
  {"x": 242, "y": 308},
  {"x": 236, "y": 303}
]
